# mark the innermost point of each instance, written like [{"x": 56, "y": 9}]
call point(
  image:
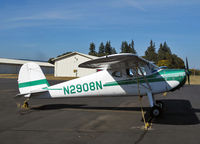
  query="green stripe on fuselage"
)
[
  {"x": 163, "y": 75},
  {"x": 33, "y": 83}
]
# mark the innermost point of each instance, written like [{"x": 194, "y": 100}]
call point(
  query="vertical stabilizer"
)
[{"x": 31, "y": 78}]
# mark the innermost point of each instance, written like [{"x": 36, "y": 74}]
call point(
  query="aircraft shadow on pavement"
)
[
  {"x": 175, "y": 112},
  {"x": 178, "y": 112},
  {"x": 85, "y": 107},
  {"x": 57, "y": 106}
]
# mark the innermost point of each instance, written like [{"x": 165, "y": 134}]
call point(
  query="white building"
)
[
  {"x": 67, "y": 65},
  {"x": 12, "y": 66}
]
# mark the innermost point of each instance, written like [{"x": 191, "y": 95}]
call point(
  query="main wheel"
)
[{"x": 156, "y": 111}]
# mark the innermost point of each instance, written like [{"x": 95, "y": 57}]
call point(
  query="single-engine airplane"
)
[{"x": 121, "y": 75}]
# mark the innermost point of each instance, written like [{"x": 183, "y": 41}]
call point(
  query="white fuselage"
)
[{"x": 103, "y": 83}]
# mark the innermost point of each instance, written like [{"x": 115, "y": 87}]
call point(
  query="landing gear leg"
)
[{"x": 156, "y": 108}]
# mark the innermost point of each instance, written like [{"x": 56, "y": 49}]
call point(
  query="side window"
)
[
  {"x": 143, "y": 71},
  {"x": 133, "y": 72},
  {"x": 130, "y": 72},
  {"x": 117, "y": 74}
]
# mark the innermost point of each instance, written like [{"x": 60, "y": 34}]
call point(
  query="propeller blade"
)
[
  {"x": 187, "y": 71},
  {"x": 187, "y": 67}
]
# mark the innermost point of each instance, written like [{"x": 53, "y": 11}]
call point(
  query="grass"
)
[
  {"x": 194, "y": 80},
  {"x": 8, "y": 76},
  {"x": 51, "y": 77}
]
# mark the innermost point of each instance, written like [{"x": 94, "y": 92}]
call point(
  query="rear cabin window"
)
[{"x": 117, "y": 74}]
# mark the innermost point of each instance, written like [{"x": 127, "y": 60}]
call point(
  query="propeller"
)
[{"x": 187, "y": 71}]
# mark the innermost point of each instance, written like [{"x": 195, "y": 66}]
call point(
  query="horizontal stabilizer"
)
[{"x": 32, "y": 93}]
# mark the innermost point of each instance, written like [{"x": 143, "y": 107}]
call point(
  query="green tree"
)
[
  {"x": 101, "y": 50},
  {"x": 92, "y": 49},
  {"x": 164, "y": 52},
  {"x": 125, "y": 47},
  {"x": 114, "y": 51},
  {"x": 150, "y": 53},
  {"x": 108, "y": 48},
  {"x": 132, "y": 47},
  {"x": 163, "y": 63},
  {"x": 176, "y": 62},
  {"x": 128, "y": 48}
]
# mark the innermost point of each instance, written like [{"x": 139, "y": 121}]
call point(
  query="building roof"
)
[
  {"x": 21, "y": 62},
  {"x": 74, "y": 53}
]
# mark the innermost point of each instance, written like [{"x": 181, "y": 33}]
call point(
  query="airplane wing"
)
[{"x": 118, "y": 61}]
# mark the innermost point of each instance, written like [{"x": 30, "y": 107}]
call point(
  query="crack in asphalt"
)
[{"x": 141, "y": 137}]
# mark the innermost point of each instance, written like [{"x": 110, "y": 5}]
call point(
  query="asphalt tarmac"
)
[{"x": 110, "y": 120}]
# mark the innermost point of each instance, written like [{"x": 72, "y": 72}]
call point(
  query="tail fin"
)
[{"x": 31, "y": 78}]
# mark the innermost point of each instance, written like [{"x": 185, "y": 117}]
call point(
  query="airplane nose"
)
[
  {"x": 181, "y": 79},
  {"x": 184, "y": 78}
]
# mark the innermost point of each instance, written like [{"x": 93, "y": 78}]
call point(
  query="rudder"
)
[{"x": 31, "y": 78}]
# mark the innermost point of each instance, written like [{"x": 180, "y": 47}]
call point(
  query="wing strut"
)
[
  {"x": 156, "y": 108},
  {"x": 145, "y": 79},
  {"x": 146, "y": 124}
]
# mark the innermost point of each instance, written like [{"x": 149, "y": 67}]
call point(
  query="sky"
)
[{"x": 41, "y": 29}]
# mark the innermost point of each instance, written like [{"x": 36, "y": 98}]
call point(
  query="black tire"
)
[{"x": 156, "y": 111}]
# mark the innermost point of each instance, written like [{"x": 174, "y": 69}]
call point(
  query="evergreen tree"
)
[
  {"x": 108, "y": 48},
  {"x": 114, "y": 51},
  {"x": 92, "y": 49},
  {"x": 150, "y": 53},
  {"x": 161, "y": 46},
  {"x": 101, "y": 50},
  {"x": 125, "y": 47},
  {"x": 165, "y": 57},
  {"x": 164, "y": 52},
  {"x": 176, "y": 62},
  {"x": 132, "y": 47},
  {"x": 128, "y": 48}
]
